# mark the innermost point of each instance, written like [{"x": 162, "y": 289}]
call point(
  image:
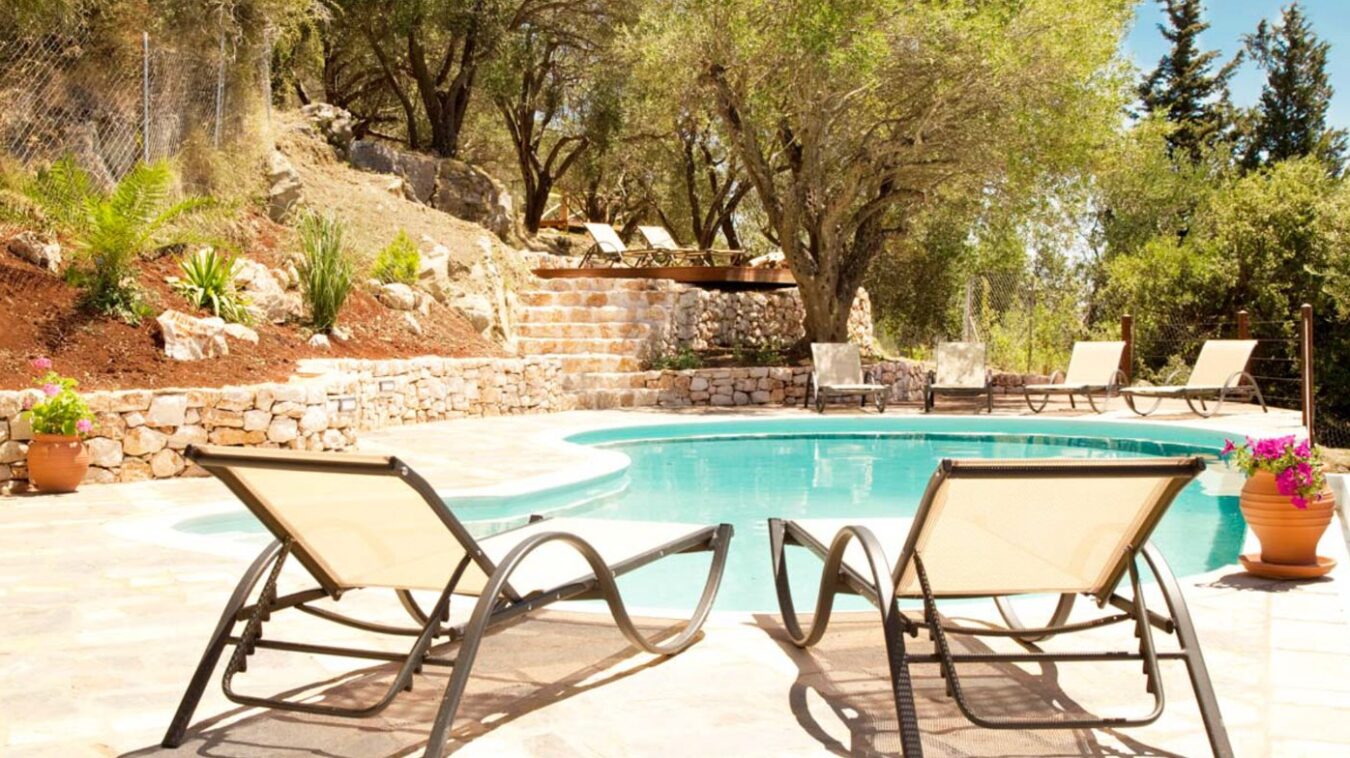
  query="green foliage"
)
[
  {"x": 1181, "y": 87},
  {"x": 62, "y": 411},
  {"x": 682, "y": 360},
  {"x": 398, "y": 262},
  {"x": 208, "y": 282},
  {"x": 763, "y": 354},
  {"x": 326, "y": 270}
]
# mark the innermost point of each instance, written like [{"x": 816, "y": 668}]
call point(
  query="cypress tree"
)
[
  {"x": 1182, "y": 86},
  {"x": 1290, "y": 120}
]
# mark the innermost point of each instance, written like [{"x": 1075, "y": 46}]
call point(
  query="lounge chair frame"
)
[
  {"x": 823, "y": 393},
  {"x": 932, "y": 390},
  {"x": 1239, "y": 384},
  {"x": 668, "y": 252},
  {"x": 599, "y": 250},
  {"x": 498, "y": 602},
  {"x": 879, "y": 588},
  {"x": 1107, "y": 391}
]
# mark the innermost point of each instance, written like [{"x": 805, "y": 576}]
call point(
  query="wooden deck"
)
[{"x": 725, "y": 277}]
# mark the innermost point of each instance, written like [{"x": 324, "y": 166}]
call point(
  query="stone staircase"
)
[{"x": 601, "y": 330}]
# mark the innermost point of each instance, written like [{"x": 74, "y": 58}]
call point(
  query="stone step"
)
[
  {"x": 595, "y": 299},
  {"x": 602, "y": 399},
  {"x": 598, "y": 363},
  {"x": 619, "y": 329},
  {"x": 570, "y": 346},
  {"x": 597, "y": 284},
  {"x": 623, "y": 380},
  {"x": 576, "y": 314}
]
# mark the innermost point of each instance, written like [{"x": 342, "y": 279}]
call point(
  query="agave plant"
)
[
  {"x": 111, "y": 229},
  {"x": 208, "y": 282}
]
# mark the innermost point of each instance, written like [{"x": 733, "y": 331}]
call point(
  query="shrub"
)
[
  {"x": 398, "y": 261},
  {"x": 325, "y": 271},
  {"x": 208, "y": 282},
  {"x": 62, "y": 411},
  {"x": 685, "y": 359}
]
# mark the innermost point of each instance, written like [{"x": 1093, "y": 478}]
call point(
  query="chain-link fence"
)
[
  {"x": 111, "y": 106},
  {"x": 1028, "y": 320}
]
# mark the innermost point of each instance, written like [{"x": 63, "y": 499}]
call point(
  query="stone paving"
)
[{"x": 105, "y": 612}]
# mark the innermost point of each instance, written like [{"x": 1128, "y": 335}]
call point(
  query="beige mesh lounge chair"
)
[
  {"x": 997, "y": 529},
  {"x": 1220, "y": 371},
  {"x": 836, "y": 371},
  {"x": 1094, "y": 368},
  {"x": 960, "y": 372},
  {"x": 609, "y": 248},
  {"x": 355, "y": 522},
  {"x": 658, "y": 237}
]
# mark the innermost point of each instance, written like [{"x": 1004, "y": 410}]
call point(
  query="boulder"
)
[
  {"x": 334, "y": 123},
  {"x": 241, "y": 333},
  {"x": 417, "y": 171},
  {"x": 319, "y": 342},
  {"x": 340, "y": 333},
  {"x": 468, "y": 192},
  {"x": 143, "y": 441},
  {"x": 167, "y": 411},
  {"x": 284, "y": 188},
  {"x": 477, "y": 309},
  {"x": 37, "y": 250},
  {"x": 268, "y": 298},
  {"x": 191, "y": 339},
  {"x": 411, "y": 321},
  {"x": 104, "y": 452},
  {"x": 166, "y": 463},
  {"x": 398, "y": 296}
]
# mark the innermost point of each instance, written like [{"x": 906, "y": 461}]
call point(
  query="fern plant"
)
[
  {"x": 111, "y": 229},
  {"x": 208, "y": 282},
  {"x": 398, "y": 261},
  {"x": 326, "y": 269}
]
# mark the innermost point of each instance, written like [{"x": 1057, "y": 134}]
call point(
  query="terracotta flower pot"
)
[
  {"x": 57, "y": 462},
  {"x": 1288, "y": 535}
]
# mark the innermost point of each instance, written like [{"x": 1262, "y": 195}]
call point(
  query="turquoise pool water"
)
[{"x": 743, "y": 472}]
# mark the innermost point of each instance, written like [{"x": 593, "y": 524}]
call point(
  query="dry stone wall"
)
[
  {"x": 704, "y": 319},
  {"x": 141, "y": 434}
]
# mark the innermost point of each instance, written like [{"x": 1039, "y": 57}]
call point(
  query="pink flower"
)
[
  {"x": 1299, "y": 502},
  {"x": 84, "y": 426},
  {"x": 1228, "y": 447},
  {"x": 50, "y": 390},
  {"x": 28, "y": 402},
  {"x": 41, "y": 364},
  {"x": 1286, "y": 482},
  {"x": 1304, "y": 449}
]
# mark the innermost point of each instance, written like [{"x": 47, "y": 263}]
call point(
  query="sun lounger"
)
[
  {"x": 355, "y": 522},
  {"x": 836, "y": 371},
  {"x": 1220, "y": 371},
  {"x": 1094, "y": 368},
  {"x": 658, "y": 237},
  {"x": 999, "y": 529},
  {"x": 610, "y": 249},
  {"x": 960, "y": 372}
]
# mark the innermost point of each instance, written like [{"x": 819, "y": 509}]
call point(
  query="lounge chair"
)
[
  {"x": 658, "y": 237},
  {"x": 960, "y": 372},
  {"x": 1094, "y": 367},
  {"x": 998, "y": 529},
  {"x": 609, "y": 248},
  {"x": 356, "y": 522},
  {"x": 1220, "y": 370},
  {"x": 836, "y": 371}
]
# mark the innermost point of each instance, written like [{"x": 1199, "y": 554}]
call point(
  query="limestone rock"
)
[
  {"x": 166, "y": 463},
  {"x": 190, "y": 339},
  {"x": 477, "y": 309},
  {"x": 314, "y": 420},
  {"x": 12, "y": 452},
  {"x": 334, "y": 123},
  {"x": 143, "y": 441},
  {"x": 341, "y": 334},
  {"x": 319, "y": 342},
  {"x": 167, "y": 411},
  {"x": 37, "y": 250},
  {"x": 241, "y": 333},
  {"x": 468, "y": 192},
  {"x": 283, "y": 430},
  {"x": 104, "y": 452},
  {"x": 411, "y": 321},
  {"x": 187, "y": 435},
  {"x": 398, "y": 296},
  {"x": 284, "y": 188},
  {"x": 417, "y": 171}
]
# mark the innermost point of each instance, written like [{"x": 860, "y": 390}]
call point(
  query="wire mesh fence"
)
[
  {"x": 1028, "y": 321},
  {"x": 111, "y": 107}
]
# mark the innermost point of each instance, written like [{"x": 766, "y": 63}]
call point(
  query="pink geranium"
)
[
  {"x": 1296, "y": 465},
  {"x": 41, "y": 364},
  {"x": 84, "y": 426},
  {"x": 50, "y": 390}
]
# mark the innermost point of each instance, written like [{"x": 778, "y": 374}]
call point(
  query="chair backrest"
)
[
  {"x": 1005, "y": 527},
  {"x": 1094, "y": 363},
  {"x": 836, "y": 363},
  {"x": 961, "y": 364},
  {"x": 658, "y": 238},
  {"x": 353, "y": 520},
  {"x": 1219, "y": 360},
  {"x": 606, "y": 238}
]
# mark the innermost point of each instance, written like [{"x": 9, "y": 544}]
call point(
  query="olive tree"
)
[{"x": 851, "y": 116}]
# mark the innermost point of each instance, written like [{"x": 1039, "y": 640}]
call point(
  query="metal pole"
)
[
  {"x": 145, "y": 97},
  {"x": 220, "y": 86},
  {"x": 1127, "y": 355},
  {"x": 1306, "y": 355}
]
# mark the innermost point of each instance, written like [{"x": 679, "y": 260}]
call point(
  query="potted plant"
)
[
  {"x": 57, "y": 459},
  {"x": 1287, "y": 504}
]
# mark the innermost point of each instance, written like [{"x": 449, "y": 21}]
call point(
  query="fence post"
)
[
  {"x": 1127, "y": 355},
  {"x": 1306, "y": 355},
  {"x": 220, "y": 87},
  {"x": 1244, "y": 325},
  {"x": 145, "y": 97}
]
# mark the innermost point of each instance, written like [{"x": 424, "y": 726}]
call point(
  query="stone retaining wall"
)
[
  {"x": 704, "y": 319},
  {"x": 776, "y": 385},
  {"x": 140, "y": 434}
]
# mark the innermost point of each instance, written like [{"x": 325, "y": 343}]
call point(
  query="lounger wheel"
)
[{"x": 1057, "y": 618}]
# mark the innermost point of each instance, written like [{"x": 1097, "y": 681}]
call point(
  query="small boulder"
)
[
  {"x": 397, "y": 296},
  {"x": 477, "y": 309},
  {"x": 411, "y": 321},
  {"x": 191, "y": 339},
  {"x": 37, "y": 250},
  {"x": 334, "y": 123},
  {"x": 340, "y": 333},
  {"x": 241, "y": 333},
  {"x": 284, "y": 188},
  {"x": 319, "y": 342}
]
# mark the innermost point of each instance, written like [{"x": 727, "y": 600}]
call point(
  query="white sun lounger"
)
[
  {"x": 1094, "y": 368},
  {"x": 960, "y": 371},
  {"x": 608, "y": 247},
  {"x": 836, "y": 371},
  {"x": 1220, "y": 371}
]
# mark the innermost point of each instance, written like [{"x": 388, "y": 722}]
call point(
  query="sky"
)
[{"x": 1229, "y": 20}]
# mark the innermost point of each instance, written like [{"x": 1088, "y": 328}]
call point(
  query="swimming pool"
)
[{"x": 742, "y": 472}]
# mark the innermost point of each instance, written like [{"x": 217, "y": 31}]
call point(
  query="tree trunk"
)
[{"x": 826, "y": 309}]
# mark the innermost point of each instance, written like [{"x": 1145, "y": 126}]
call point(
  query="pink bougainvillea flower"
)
[
  {"x": 1304, "y": 449},
  {"x": 1228, "y": 447},
  {"x": 1286, "y": 482},
  {"x": 1299, "y": 502},
  {"x": 84, "y": 425},
  {"x": 41, "y": 364},
  {"x": 50, "y": 390}
]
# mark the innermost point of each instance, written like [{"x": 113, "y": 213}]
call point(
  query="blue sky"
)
[{"x": 1230, "y": 19}]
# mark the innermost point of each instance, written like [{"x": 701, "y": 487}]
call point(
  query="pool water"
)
[{"x": 815, "y": 473}]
